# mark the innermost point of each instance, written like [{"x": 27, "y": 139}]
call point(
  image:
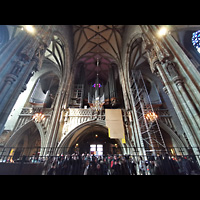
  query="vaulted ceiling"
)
[
  {"x": 102, "y": 42},
  {"x": 98, "y": 39}
]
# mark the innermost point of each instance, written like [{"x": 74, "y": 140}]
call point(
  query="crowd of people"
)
[{"x": 86, "y": 164}]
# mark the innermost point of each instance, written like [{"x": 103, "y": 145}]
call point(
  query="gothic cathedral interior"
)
[{"x": 99, "y": 89}]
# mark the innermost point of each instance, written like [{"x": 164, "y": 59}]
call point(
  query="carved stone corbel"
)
[
  {"x": 162, "y": 52},
  {"x": 173, "y": 72},
  {"x": 151, "y": 53},
  {"x": 171, "y": 68},
  {"x": 37, "y": 57},
  {"x": 18, "y": 67}
]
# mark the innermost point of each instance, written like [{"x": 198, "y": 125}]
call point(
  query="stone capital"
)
[{"x": 177, "y": 80}]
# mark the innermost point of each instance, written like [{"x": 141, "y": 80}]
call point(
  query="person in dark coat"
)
[
  {"x": 59, "y": 165},
  {"x": 167, "y": 165},
  {"x": 75, "y": 166},
  {"x": 68, "y": 163},
  {"x": 132, "y": 165},
  {"x": 175, "y": 166},
  {"x": 116, "y": 168},
  {"x": 52, "y": 170},
  {"x": 94, "y": 162},
  {"x": 124, "y": 168},
  {"x": 186, "y": 166},
  {"x": 98, "y": 170},
  {"x": 91, "y": 169},
  {"x": 158, "y": 168},
  {"x": 180, "y": 164},
  {"x": 104, "y": 165},
  {"x": 64, "y": 168}
]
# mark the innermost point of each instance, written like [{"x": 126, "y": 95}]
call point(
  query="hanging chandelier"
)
[
  {"x": 38, "y": 117},
  {"x": 151, "y": 116},
  {"x": 97, "y": 102}
]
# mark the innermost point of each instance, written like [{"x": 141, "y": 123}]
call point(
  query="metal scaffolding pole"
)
[{"x": 150, "y": 130}]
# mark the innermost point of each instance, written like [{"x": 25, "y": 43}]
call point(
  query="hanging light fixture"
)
[
  {"x": 97, "y": 101},
  {"x": 151, "y": 116},
  {"x": 38, "y": 117}
]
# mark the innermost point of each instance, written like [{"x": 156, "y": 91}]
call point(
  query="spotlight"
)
[
  {"x": 162, "y": 32},
  {"x": 30, "y": 28}
]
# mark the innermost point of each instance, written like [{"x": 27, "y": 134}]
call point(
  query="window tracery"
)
[
  {"x": 196, "y": 40},
  {"x": 55, "y": 52}
]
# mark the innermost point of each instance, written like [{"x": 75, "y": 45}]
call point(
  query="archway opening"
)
[
  {"x": 94, "y": 140},
  {"x": 45, "y": 90},
  {"x": 25, "y": 142}
]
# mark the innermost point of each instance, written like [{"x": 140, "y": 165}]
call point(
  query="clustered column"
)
[
  {"x": 163, "y": 65},
  {"x": 25, "y": 55}
]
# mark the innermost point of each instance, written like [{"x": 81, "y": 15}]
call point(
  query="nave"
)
[{"x": 118, "y": 164}]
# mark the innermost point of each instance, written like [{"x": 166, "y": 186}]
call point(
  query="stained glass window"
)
[
  {"x": 96, "y": 149},
  {"x": 196, "y": 40}
]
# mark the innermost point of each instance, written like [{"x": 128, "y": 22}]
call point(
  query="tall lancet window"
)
[
  {"x": 196, "y": 40},
  {"x": 55, "y": 52}
]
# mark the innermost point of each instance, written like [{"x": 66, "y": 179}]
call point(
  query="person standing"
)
[
  {"x": 116, "y": 168},
  {"x": 98, "y": 170},
  {"x": 52, "y": 170},
  {"x": 86, "y": 169},
  {"x": 142, "y": 166}
]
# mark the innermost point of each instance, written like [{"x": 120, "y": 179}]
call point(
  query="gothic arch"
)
[
  {"x": 133, "y": 45},
  {"x": 47, "y": 69},
  {"x": 43, "y": 83},
  {"x": 67, "y": 58},
  {"x": 55, "y": 52},
  {"x": 133, "y": 52},
  {"x": 136, "y": 59},
  {"x": 172, "y": 134},
  {"x": 77, "y": 132},
  {"x": 19, "y": 134}
]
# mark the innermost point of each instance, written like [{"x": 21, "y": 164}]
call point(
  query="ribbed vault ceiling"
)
[
  {"x": 98, "y": 39},
  {"x": 102, "y": 42}
]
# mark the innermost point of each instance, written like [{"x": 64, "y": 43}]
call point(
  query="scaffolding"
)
[
  {"x": 151, "y": 135},
  {"x": 77, "y": 96}
]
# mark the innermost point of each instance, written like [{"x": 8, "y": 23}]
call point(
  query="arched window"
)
[
  {"x": 55, "y": 52},
  {"x": 196, "y": 40}
]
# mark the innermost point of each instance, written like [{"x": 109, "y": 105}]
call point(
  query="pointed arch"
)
[
  {"x": 172, "y": 134},
  {"x": 19, "y": 134},
  {"x": 77, "y": 132}
]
